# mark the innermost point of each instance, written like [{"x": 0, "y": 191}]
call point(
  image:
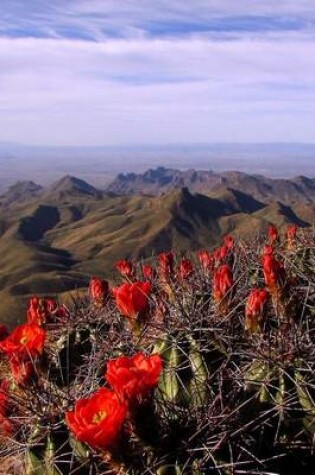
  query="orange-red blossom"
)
[
  {"x": 44, "y": 310},
  {"x": 133, "y": 299},
  {"x": 98, "y": 289},
  {"x": 25, "y": 340},
  {"x": 134, "y": 378},
  {"x": 273, "y": 234},
  {"x": 166, "y": 263},
  {"x": 149, "y": 272},
  {"x": 125, "y": 268},
  {"x": 185, "y": 269},
  {"x": 98, "y": 419},
  {"x": 22, "y": 347},
  {"x": 40, "y": 310},
  {"x": 291, "y": 236},
  {"x": 255, "y": 309},
  {"x": 228, "y": 241},
  {"x": 222, "y": 282},
  {"x": 206, "y": 260},
  {"x": 273, "y": 272}
]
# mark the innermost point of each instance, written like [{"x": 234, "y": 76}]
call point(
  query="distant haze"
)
[{"x": 99, "y": 165}]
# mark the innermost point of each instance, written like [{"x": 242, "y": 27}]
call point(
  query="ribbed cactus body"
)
[
  {"x": 284, "y": 387},
  {"x": 43, "y": 462},
  {"x": 306, "y": 395},
  {"x": 185, "y": 374}
]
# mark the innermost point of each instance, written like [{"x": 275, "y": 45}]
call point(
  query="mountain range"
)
[
  {"x": 52, "y": 239},
  {"x": 99, "y": 165}
]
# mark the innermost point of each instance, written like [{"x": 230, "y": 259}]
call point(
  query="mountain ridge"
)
[
  {"x": 53, "y": 239},
  {"x": 160, "y": 180},
  {"x": 70, "y": 185}
]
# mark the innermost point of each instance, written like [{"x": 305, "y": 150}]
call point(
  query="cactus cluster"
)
[{"x": 185, "y": 365}]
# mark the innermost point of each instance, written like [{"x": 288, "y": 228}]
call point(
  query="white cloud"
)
[{"x": 191, "y": 87}]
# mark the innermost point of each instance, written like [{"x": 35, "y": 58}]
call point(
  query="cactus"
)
[
  {"x": 185, "y": 375},
  {"x": 225, "y": 399}
]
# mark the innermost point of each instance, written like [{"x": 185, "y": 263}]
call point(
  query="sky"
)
[{"x": 133, "y": 72}]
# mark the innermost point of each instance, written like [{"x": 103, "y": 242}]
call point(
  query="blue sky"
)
[{"x": 109, "y": 72}]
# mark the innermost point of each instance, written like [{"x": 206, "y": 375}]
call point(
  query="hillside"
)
[
  {"x": 71, "y": 186},
  {"x": 53, "y": 239},
  {"x": 19, "y": 192}
]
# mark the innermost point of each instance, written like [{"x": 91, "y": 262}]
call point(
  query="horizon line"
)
[{"x": 158, "y": 145}]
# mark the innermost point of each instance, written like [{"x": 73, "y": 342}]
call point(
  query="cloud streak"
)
[
  {"x": 97, "y": 19},
  {"x": 107, "y": 72}
]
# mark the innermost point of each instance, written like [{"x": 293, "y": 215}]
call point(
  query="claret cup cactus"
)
[{"x": 193, "y": 365}]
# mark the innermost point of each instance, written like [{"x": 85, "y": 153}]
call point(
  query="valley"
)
[{"x": 53, "y": 239}]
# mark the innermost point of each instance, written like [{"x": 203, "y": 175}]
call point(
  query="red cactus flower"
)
[
  {"x": 125, "y": 268},
  {"x": 185, "y": 269},
  {"x": 133, "y": 299},
  {"x": 98, "y": 420},
  {"x": 50, "y": 304},
  {"x": 25, "y": 340},
  {"x": 273, "y": 234},
  {"x": 98, "y": 289},
  {"x": 148, "y": 272},
  {"x": 255, "y": 308},
  {"x": 222, "y": 282},
  {"x": 228, "y": 241},
  {"x": 40, "y": 311},
  {"x": 224, "y": 250},
  {"x": 217, "y": 255},
  {"x": 291, "y": 237},
  {"x": 34, "y": 313},
  {"x": 291, "y": 232},
  {"x": 166, "y": 263},
  {"x": 205, "y": 259},
  {"x": 134, "y": 378},
  {"x": 268, "y": 250},
  {"x": 273, "y": 271}
]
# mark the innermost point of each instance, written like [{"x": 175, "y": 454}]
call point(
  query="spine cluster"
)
[{"x": 198, "y": 364}]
